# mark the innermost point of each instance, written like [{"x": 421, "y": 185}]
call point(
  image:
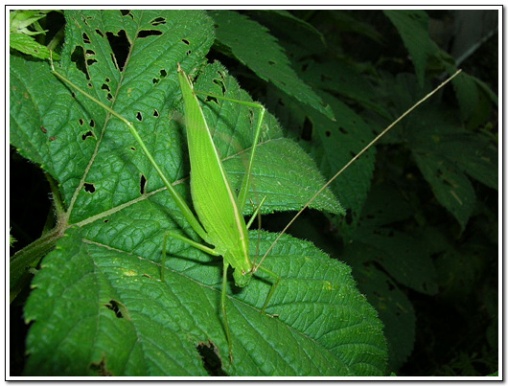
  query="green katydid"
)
[{"x": 220, "y": 222}]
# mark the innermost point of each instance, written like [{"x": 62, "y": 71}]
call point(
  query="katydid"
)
[{"x": 219, "y": 221}]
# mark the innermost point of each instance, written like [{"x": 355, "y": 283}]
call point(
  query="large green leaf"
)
[{"x": 100, "y": 305}]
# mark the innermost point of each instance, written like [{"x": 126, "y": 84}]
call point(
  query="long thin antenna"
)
[{"x": 378, "y": 137}]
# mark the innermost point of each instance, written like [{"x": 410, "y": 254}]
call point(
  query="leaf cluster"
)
[{"x": 414, "y": 223}]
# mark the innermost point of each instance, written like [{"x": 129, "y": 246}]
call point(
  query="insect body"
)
[
  {"x": 218, "y": 208},
  {"x": 220, "y": 222}
]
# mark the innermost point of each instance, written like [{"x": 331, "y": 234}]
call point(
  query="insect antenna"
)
[{"x": 352, "y": 160}]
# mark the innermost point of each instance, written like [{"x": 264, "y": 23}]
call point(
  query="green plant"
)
[{"x": 117, "y": 308}]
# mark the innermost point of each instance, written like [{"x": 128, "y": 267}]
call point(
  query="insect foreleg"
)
[
  {"x": 186, "y": 240},
  {"x": 273, "y": 286}
]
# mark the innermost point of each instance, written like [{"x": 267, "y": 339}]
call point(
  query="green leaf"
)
[
  {"x": 404, "y": 257},
  {"x": 107, "y": 308},
  {"x": 341, "y": 141},
  {"x": 20, "y": 20},
  {"x": 98, "y": 304},
  {"x": 28, "y": 45},
  {"x": 444, "y": 151},
  {"x": 346, "y": 22},
  {"x": 413, "y": 29},
  {"x": 293, "y": 173},
  {"x": 451, "y": 187},
  {"x": 467, "y": 94},
  {"x": 392, "y": 303},
  {"x": 446, "y": 154},
  {"x": 407, "y": 259},
  {"x": 291, "y": 30},
  {"x": 21, "y": 37},
  {"x": 339, "y": 77},
  {"x": 253, "y": 46}
]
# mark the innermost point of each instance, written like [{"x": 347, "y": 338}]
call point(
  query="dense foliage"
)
[{"x": 419, "y": 237}]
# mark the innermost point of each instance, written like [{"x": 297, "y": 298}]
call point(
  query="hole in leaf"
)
[
  {"x": 142, "y": 184},
  {"x": 120, "y": 47},
  {"x": 145, "y": 33},
  {"x": 139, "y": 116},
  {"x": 86, "y": 19},
  {"x": 325, "y": 78},
  {"x": 98, "y": 32},
  {"x": 126, "y": 12},
  {"x": 185, "y": 41},
  {"x": 158, "y": 21},
  {"x": 210, "y": 98},
  {"x": 100, "y": 368},
  {"x": 328, "y": 133},
  {"x": 106, "y": 87},
  {"x": 307, "y": 129},
  {"x": 87, "y": 135},
  {"x": 163, "y": 73},
  {"x": 155, "y": 113},
  {"x": 90, "y": 61},
  {"x": 114, "y": 306},
  {"x": 90, "y": 188},
  {"x": 188, "y": 53},
  {"x": 221, "y": 85},
  {"x": 78, "y": 57},
  {"x": 92, "y": 123},
  {"x": 86, "y": 39},
  {"x": 105, "y": 221},
  {"x": 81, "y": 122},
  {"x": 342, "y": 130},
  {"x": 349, "y": 217},
  {"x": 211, "y": 358}
]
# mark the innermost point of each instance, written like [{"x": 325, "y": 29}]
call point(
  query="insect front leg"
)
[
  {"x": 186, "y": 240},
  {"x": 273, "y": 287}
]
